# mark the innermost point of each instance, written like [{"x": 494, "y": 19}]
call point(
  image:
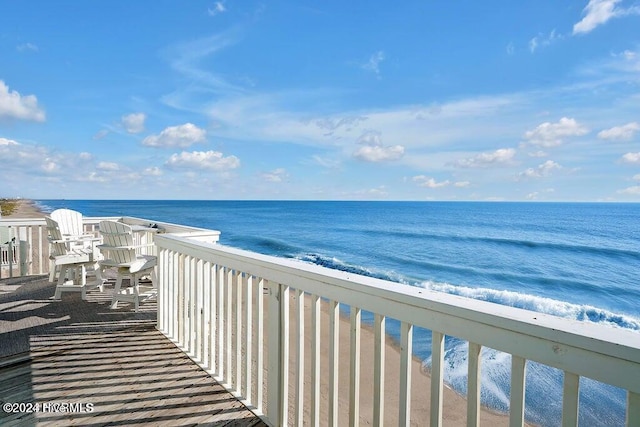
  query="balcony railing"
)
[
  {"x": 241, "y": 316},
  {"x": 211, "y": 305},
  {"x": 31, "y": 248}
]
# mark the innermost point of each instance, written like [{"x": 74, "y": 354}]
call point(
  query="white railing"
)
[
  {"x": 242, "y": 317},
  {"x": 32, "y": 247}
]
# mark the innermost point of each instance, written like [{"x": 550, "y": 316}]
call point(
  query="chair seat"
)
[
  {"x": 76, "y": 256},
  {"x": 141, "y": 263}
]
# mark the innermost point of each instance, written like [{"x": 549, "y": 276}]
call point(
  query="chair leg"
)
[
  {"x": 99, "y": 280},
  {"x": 136, "y": 291},
  {"x": 83, "y": 281},
  {"x": 52, "y": 272},
  {"x": 61, "y": 280},
  {"x": 116, "y": 291}
]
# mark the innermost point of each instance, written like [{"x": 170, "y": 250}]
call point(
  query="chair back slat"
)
[
  {"x": 69, "y": 221},
  {"x": 58, "y": 247},
  {"x": 117, "y": 242}
]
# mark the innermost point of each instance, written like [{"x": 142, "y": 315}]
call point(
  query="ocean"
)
[{"x": 574, "y": 260}]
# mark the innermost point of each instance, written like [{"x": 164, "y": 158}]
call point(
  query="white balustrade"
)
[{"x": 235, "y": 332}]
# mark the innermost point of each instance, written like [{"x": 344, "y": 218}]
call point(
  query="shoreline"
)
[
  {"x": 25, "y": 208},
  {"x": 454, "y": 404}
]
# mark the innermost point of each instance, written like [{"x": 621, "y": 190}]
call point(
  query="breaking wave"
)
[{"x": 544, "y": 383}]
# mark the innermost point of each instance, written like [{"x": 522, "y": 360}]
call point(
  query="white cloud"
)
[
  {"x": 50, "y": 165},
  {"x": 373, "y": 64},
  {"x": 325, "y": 162},
  {"x": 107, "y": 166},
  {"x": 462, "y": 184},
  {"x": 85, "y": 156},
  {"x": 94, "y": 177},
  {"x": 625, "y": 132},
  {"x": 635, "y": 190},
  {"x": 551, "y": 134},
  {"x": 276, "y": 175},
  {"x": 428, "y": 182},
  {"x": 100, "y": 134},
  {"x": 27, "y": 47},
  {"x": 538, "y": 153},
  {"x": 20, "y": 157},
  {"x": 377, "y": 192},
  {"x": 599, "y": 12},
  {"x": 542, "y": 40},
  {"x": 374, "y": 151},
  {"x": 636, "y": 177},
  {"x": 15, "y": 106},
  {"x": 176, "y": 136},
  {"x": 502, "y": 156},
  {"x": 211, "y": 160},
  {"x": 218, "y": 8},
  {"x": 152, "y": 171},
  {"x": 6, "y": 142},
  {"x": 372, "y": 138},
  {"x": 511, "y": 49},
  {"x": 542, "y": 170},
  {"x": 134, "y": 122},
  {"x": 631, "y": 158},
  {"x": 332, "y": 124},
  {"x": 186, "y": 59}
]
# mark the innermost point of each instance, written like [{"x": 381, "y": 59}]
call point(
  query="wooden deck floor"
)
[{"x": 114, "y": 360}]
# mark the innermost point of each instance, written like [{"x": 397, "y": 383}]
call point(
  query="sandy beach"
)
[
  {"x": 454, "y": 405},
  {"x": 454, "y": 411},
  {"x": 26, "y": 209}
]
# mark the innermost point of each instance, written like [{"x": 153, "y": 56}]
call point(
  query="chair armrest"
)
[
  {"x": 106, "y": 247},
  {"x": 82, "y": 237}
]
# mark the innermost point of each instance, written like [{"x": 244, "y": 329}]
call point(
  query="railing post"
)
[
  {"x": 299, "y": 416},
  {"x": 334, "y": 360},
  {"x": 160, "y": 277},
  {"x": 437, "y": 377},
  {"x": 378, "y": 369},
  {"x": 406, "y": 350},
  {"x": 24, "y": 254},
  {"x": 473, "y": 385},
  {"x": 633, "y": 409},
  {"x": 259, "y": 347},
  {"x": 570, "y": 399},
  {"x": 518, "y": 376},
  {"x": 315, "y": 360},
  {"x": 248, "y": 340},
  {"x": 278, "y": 345},
  {"x": 354, "y": 380}
]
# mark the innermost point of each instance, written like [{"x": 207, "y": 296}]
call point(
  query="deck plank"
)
[{"x": 128, "y": 370}]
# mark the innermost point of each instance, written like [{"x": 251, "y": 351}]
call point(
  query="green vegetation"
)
[{"x": 7, "y": 206}]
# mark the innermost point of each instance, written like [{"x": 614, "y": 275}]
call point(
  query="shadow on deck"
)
[{"x": 57, "y": 353}]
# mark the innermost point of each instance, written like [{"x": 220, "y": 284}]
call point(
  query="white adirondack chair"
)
[
  {"x": 72, "y": 260},
  {"x": 72, "y": 230},
  {"x": 120, "y": 252}
]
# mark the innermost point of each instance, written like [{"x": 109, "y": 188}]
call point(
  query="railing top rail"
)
[
  {"x": 166, "y": 226},
  {"x": 19, "y": 222},
  {"x": 486, "y": 323}
]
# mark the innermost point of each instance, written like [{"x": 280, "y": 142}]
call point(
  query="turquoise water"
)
[{"x": 574, "y": 260}]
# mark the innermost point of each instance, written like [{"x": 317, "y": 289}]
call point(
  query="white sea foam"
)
[{"x": 554, "y": 307}]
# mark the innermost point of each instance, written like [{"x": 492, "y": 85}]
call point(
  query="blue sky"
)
[{"x": 413, "y": 100}]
